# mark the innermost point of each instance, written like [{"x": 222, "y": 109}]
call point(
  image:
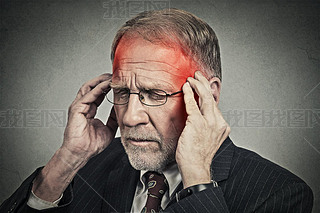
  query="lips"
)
[{"x": 140, "y": 141}]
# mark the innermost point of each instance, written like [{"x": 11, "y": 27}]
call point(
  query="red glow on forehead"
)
[{"x": 157, "y": 62}]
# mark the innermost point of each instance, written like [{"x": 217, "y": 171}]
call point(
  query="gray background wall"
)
[{"x": 271, "y": 79}]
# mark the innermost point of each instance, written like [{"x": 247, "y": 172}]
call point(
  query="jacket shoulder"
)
[
  {"x": 254, "y": 164},
  {"x": 255, "y": 182}
]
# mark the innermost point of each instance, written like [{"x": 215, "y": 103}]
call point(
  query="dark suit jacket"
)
[{"x": 247, "y": 183}]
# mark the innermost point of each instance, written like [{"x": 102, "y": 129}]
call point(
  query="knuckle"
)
[
  {"x": 83, "y": 91},
  {"x": 105, "y": 75},
  {"x": 82, "y": 108},
  {"x": 83, "y": 86},
  {"x": 75, "y": 108},
  {"x": 224, "y": 127},
  {"x": 228, "y": 130},
  {"x": 208, "y": 98},
  {"x": 190, "y": 101},
  {"x": 70, "y": 109},
  {"x": 80, "y": 91},
  {"x": 210, "y": 123}
]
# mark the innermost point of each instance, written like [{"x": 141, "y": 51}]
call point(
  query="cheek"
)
[{"x": 175, "y": 119}]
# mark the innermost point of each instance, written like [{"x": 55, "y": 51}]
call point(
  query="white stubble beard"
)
[{"x": 155, "y": 157}]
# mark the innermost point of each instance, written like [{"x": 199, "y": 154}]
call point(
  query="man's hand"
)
[
  {"x": 84, "y": 137},
  {"x": 203, "y": 134}
]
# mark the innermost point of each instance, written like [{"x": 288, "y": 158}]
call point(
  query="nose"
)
[{"x": 135, "y": 113}]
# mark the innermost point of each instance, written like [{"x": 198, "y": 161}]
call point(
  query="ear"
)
[{"x": 215, "y": 85}]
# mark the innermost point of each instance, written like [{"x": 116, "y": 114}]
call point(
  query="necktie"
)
[{"x": 157, "y": 186}]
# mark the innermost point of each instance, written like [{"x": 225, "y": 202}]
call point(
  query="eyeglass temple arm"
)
[{"x": 175, "y": 93}]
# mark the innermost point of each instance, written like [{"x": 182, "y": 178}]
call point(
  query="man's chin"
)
[
  {"x": 149, "y": 155},
  {"x": 150, "y": 160}
]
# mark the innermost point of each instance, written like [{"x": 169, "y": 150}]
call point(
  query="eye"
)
[
  {"x": 121, "y": 92},
  {"x": 155, "y": 94}
]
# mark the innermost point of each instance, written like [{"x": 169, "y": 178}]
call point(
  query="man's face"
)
[{"x": 150, "y": 134}]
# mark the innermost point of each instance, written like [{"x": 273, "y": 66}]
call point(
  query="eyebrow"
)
[
  {"x": 153, "y": 86},
  {"x": 121, "y": 85}
]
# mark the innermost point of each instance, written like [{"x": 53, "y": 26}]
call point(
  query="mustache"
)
[{"x": 138, "y": 134}]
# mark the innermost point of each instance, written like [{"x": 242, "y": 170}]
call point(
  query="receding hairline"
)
[
  {"x": 176, "y": 27},
  {"x": 164, "y": 41}
]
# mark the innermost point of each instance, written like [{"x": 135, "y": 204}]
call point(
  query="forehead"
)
[{"x": 150, "y": 63}]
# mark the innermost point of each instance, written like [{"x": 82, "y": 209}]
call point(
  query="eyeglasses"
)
[{"x": 152, "y": 97}]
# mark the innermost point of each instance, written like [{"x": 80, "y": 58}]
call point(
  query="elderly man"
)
[{"x": 174, "y": 154}]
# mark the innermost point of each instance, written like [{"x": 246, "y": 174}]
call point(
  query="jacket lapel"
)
[{"x": 120, "y": 187}]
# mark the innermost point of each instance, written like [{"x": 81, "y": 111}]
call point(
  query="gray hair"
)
[{"x": 173, "y": 26}]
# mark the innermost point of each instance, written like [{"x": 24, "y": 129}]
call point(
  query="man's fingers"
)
[
  {"x": 190, "y": 102},
  {"x": 200, "y": 77},
  {"x": 88, "y": 86},
  {"x": 206, "y": 99},
  {"x": 88, "y": 103},
  {"x": 94, "y": 82},
  {"x": 208, "y": 106},
  {"x": 96, "y": 94}
]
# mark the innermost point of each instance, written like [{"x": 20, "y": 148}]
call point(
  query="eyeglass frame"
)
[{"x": 138, "y": 93}]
